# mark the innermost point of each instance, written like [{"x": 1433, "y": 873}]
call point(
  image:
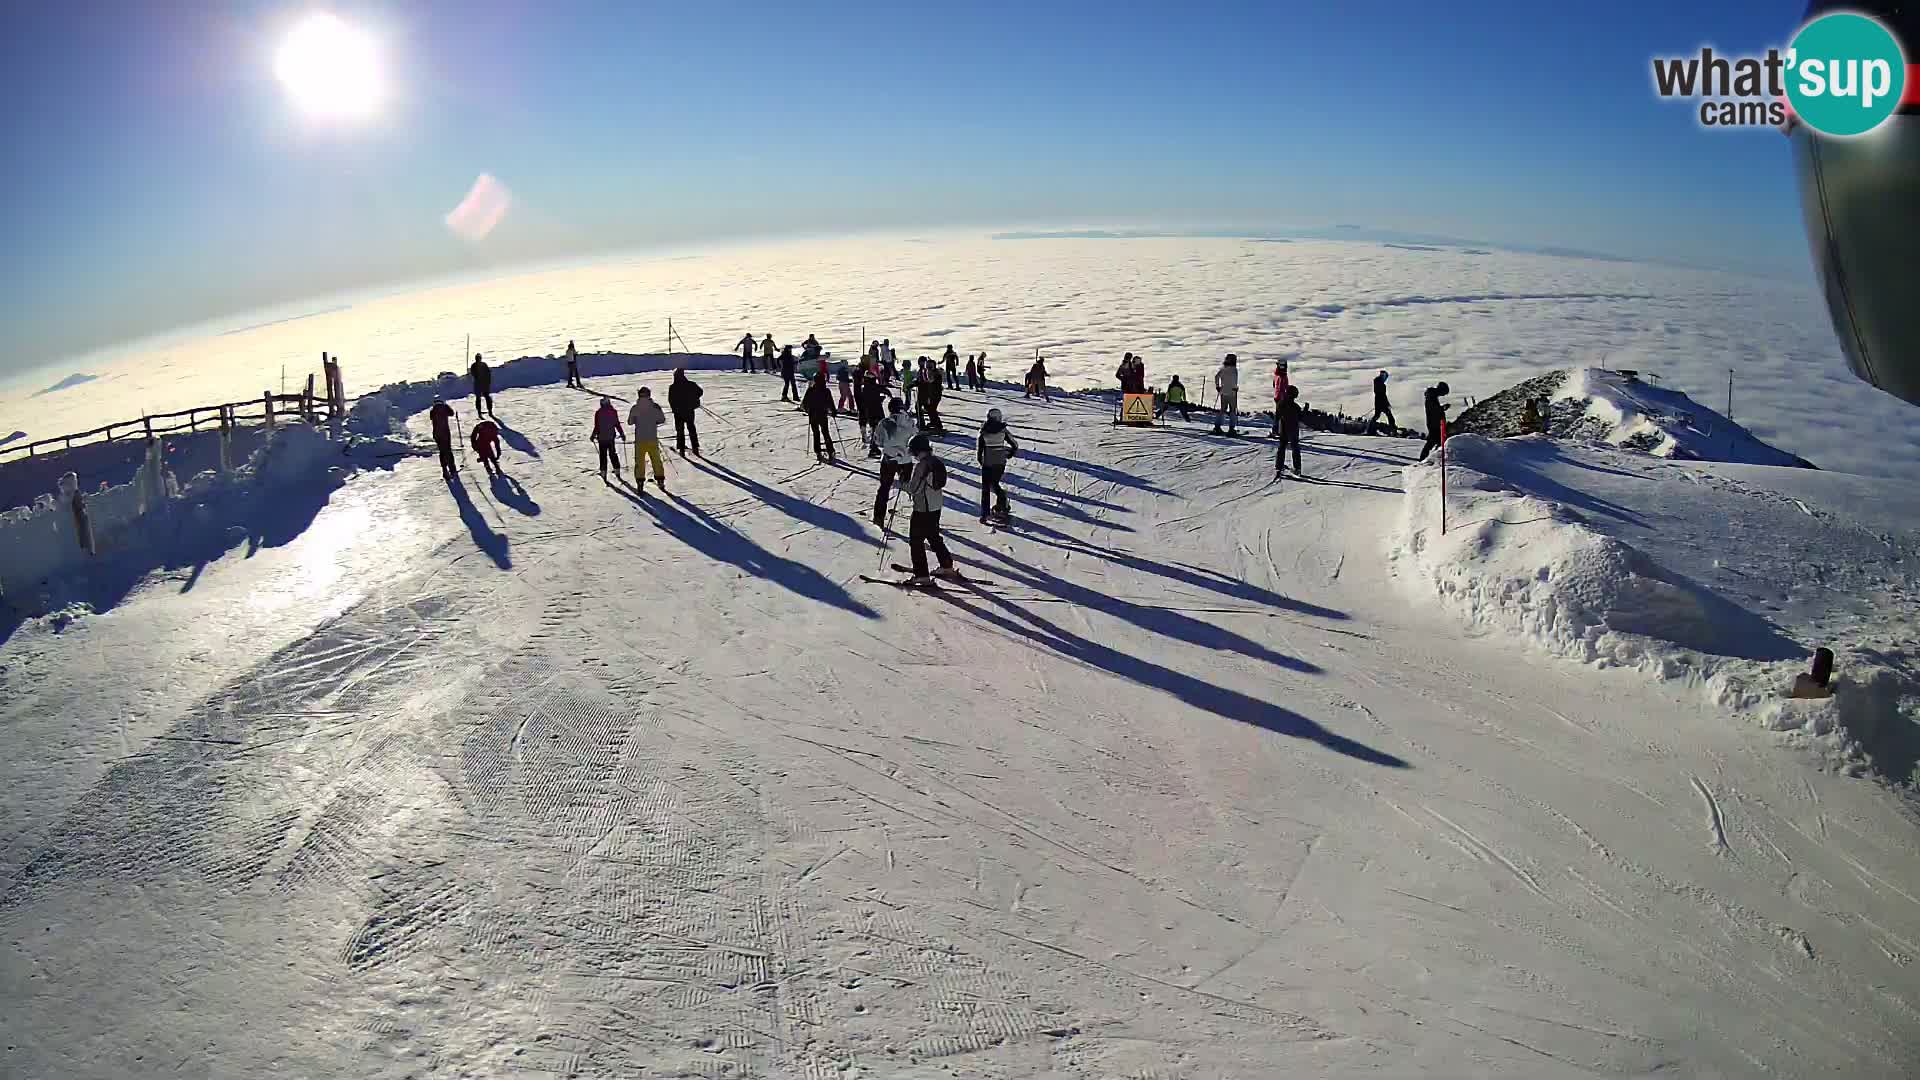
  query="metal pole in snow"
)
[
  {"x": 1729, "y": 393},
  {"x": 1443, "y": 475}
]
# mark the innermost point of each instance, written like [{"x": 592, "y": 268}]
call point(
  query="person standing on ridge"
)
[
  {"x": 1280, "y": 386},
  {"x": 1176, "y": 398},
  {"x": 573, "y": 367},
  {"x": 442, "y": 416},
  {"x": 1436, "y": 417},
  {"x": 818, "y": 405},
  {"x": 606, "y": 427},
  {"x": 787, "y": 366},
  {"x": 683, "y": 397},
  {"x": 983, "y": 371},
  {"x": 952, "y": 360},
  {"x": 845, "y": 378},
  {"x": 810, "y": 349},
  {"x": 746, "y": 345},
  {"x": 1380, "y": 404},
  {"x": 927, "y": 487},
  {"x": 646, "y": 418},
  {"x": 1226, "y": 382},
  {"x": 993, "y": 449},
  {"x": 931, "y": 391},
  {"x": 486, "y": 447},
  {"x": 1037, "y": 380},
  {"x": 766, "y": 353},
  {"x": 973, "y": 374},
  {"x": 894, "y": 435},
  {"x": 909, "y": 375},
  {"x": 482, "y": 386},
  {"x": 1288, "y": 409},
  {"x": 1124, "y": 373}
]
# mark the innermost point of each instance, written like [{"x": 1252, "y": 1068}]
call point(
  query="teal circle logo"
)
[{"x": 1845, "y": 74}]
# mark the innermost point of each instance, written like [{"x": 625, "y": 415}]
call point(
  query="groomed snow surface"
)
[{"x": 539, "y": 776}]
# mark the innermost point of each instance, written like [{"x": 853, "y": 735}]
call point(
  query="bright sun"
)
[{"x": 330, "y": 68}]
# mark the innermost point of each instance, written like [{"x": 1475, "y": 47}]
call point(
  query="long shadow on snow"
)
[
  {"x": 1218, "y": 700},
  {"x": 508, "y": 490},
  {"x": 1099, "y": 472},
  {"x": 800, "y": 509},
  {"x": 1022, "y": 483},
  {"x": 1152, "y": 618},
  {"x": 706, "y": 534},
  {"x": 515, "y": 439},
  {"x": 1521, "y": 472},
  {"x": 493, "y": 544}
]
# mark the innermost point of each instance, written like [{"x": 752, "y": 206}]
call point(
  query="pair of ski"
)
[{"x": 932, "y": 583}]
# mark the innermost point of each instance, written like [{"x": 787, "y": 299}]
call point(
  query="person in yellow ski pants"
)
[{"x": 646, "y": 418}]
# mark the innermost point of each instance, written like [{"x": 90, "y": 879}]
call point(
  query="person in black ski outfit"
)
[
  {"x": 1289, "y": 409},
  {"x": 787, "y": 365},
  {"x": 810, "y": 349},
  {"x": 993, "y": 449},
  {"x": 818, "y": 404},
  {"x": 683, "y": 398},
  {"x": 952, "y": 360},
  {"x": 482, "y": 386},
  {"x": 930, "y": 394},
  {"x": 1436, "y": 417},
  {"x": 573, "y": 367},
  {"x": 1381, "y": 404},
  {"x": 927, "y": 485},
  {"x": 746, "y": 346},
  {"x": 442, "y": 416},
  {"x": 871, "y": 402}
]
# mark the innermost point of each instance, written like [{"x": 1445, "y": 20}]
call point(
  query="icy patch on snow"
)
[{"x": 1518, "y": 561}]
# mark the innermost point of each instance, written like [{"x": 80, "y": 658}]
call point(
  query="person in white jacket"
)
[
  {"x": 1227, "y": 382},
  {"x": 895, "y": 435}
]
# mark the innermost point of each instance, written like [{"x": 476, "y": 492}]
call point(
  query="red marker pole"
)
[{"x": 1443, "y": 476}]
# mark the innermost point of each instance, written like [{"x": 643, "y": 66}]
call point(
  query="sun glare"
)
[{"x": 330, "y": 68}]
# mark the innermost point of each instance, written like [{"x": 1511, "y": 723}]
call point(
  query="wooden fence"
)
[{"x": 266, "y": 409}]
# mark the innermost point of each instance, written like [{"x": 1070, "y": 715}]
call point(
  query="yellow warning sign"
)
[{"x": 1137, "y": 409}]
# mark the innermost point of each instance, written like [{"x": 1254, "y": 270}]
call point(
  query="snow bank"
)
[
  {"x": 1618, "y": 408},
  {"x": 1519, "y": 558}
]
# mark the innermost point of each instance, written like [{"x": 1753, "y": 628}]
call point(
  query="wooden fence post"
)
[{"x": 268, "y": 399}]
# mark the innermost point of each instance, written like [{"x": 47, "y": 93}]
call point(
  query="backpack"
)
[{"x": 936, "y": 473}]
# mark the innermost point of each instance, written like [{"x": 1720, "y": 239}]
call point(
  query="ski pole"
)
[
  {"x": 886, "y": 534},
  {"x": 716, "y": 415}
]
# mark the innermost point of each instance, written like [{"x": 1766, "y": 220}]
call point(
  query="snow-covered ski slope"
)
[{"x": 541, "y": 777}]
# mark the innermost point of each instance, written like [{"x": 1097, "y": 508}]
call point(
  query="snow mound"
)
[
  {"x": 1528, "y": 555},
  {"x": 1618, "y": 408}
]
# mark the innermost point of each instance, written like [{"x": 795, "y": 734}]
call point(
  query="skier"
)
[
  {"x": 766, "y": 353},
  {"x": 1176, "y": 398},
  {"x": 646, "y": 418},
  {"x": 952, "y": 360},
  {"x": 787, "y": 365},
  {"x": 1436, "y": 417},
  {"x": 931, "y": 391},
  {"x": 983, "y": 372},
  {"x": 894, "y": 435},
  {"x": 573, "y": 367},
  {"x": 818, "y": 404},
  {"x": 810, "y": 349},
  {"x": 486, "y": 447},
  {"x": 1037, "y": 380},
  {"x": 993, "y": 449},
  {"x": 442, "y": 417},
  {"x": 745, "y": 345},
  {"x": 891, "y": 358},
  {"x": 888, "y": 370},
  {"x": 482, "y": 386},
  {"x": 606, "y": 426},
  {"x": 1226, "y": 382},
  {"x": 1288, "y": 410},
  {"x": 1280, "y": 387},
  {"x": 927, "y": 485},
  {"x": 973, "y": 374},
  {"x": 870, "y": 402},
  {"x": 845, "y": 378},
  {"x": 908, "y": 377},
  {"x": 1380, "y": 404},
  {"x": 683, "y": 397}
]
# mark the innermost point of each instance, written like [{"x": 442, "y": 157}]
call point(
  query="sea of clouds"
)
[{"x": 1338, "y": 311}]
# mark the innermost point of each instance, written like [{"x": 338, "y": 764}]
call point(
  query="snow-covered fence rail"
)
[{"x": 266, "y": 409}]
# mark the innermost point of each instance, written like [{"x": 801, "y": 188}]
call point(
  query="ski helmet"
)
[
  {"x": 1444, "y": 388},
  {"x": 993, "y": 414},
  {"x": 919, "y": 445}
]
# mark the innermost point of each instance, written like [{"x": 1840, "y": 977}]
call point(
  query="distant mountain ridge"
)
[{"x": 70, "y": 381}]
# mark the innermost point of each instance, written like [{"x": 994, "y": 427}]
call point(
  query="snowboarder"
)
[
  {"x": 1288, "y": 410},
  {"x": 931, "y": 391},
  {"x": 993, "y": 449},
  {"x": 1381, "y": 404},
  {"x": 442, "y": 416},
  {"x": 1176, "y": 398},
  {"x": 871, "y": 401},
  {"x": 646, "y": 418},
  {"x": 573, "y": 367},
  {"x": 606, "y": 426},
  {"x": 1436, "y": 417},
  {"x": 787, "y": 366},
  {"x": 927, "y": 485},
  {"x": 683, "y": 397},
  {"x": 895, "y": 434},
  {"x": 1280, "y": 387},
  {"x": 973, "y": 373},
  {"x": 818, "y": 404},
  {"x": 845, "y": 379},
  {"x": 952, "y": 360},
  {"x": 1226, "y": 382},
  {"x": 746, "y": 345},
  {"x": 482, "y": 387},
  {"x": 486, "y": 447},
  {"x": 766, "y": 353}
]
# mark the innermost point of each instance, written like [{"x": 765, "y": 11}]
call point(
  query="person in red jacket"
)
[
  {"x": 486, "y": 446},
  {"x": 606, "y": 428},
  {"x": 1280, "y": 385}
]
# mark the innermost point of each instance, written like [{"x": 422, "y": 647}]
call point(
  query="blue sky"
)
[{"x": 158, "y": 176}]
